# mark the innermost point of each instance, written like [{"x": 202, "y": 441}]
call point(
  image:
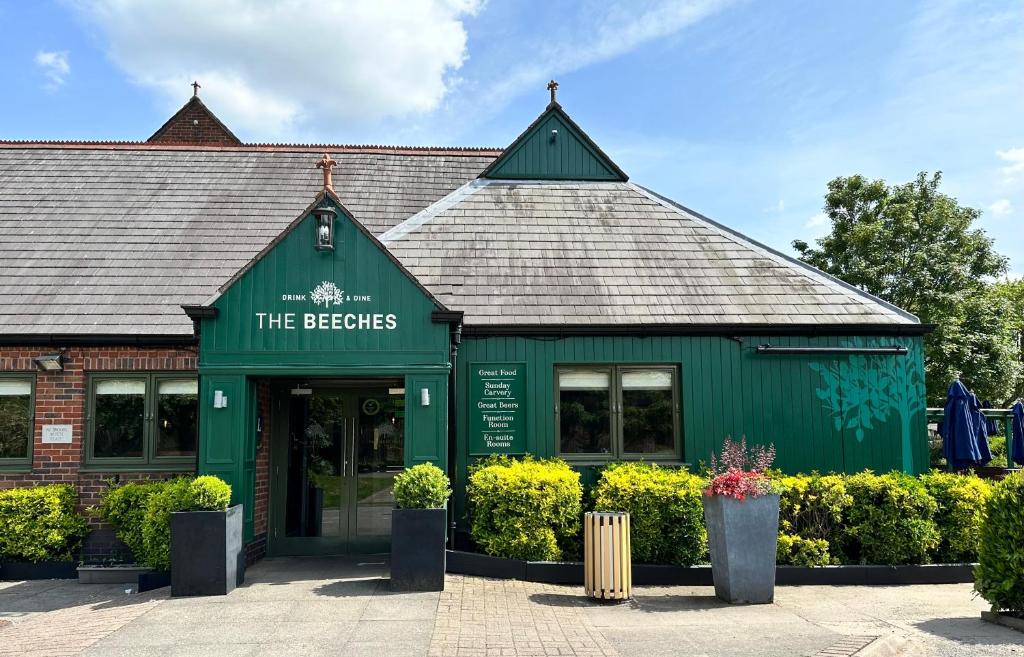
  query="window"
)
[
  {"x": 143, "y": 420},
  {"x": 16, "y": 421},
  {"x": 618, "y": 411}
]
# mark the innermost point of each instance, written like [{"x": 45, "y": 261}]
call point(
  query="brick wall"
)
[
  {"x": 257, "y": 549},
  {"x": 60, "y": 398},
  {"x": 194, "y": 124}
]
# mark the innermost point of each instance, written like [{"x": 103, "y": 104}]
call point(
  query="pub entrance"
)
[{"x": 336, "y": 446}]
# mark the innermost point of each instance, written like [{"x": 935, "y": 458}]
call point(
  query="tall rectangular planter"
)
[
  {"x": 418, "y": 549},
  {"x": 742, "y": 539},
  {"x": 207, "y": 555}
]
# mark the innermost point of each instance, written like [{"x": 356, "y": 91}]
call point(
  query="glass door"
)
[{"x": 335, "y": 453}]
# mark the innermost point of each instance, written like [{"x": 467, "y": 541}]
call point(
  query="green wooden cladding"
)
[
  {"x": 569, "y": 154},
  {"x": 825, "y": 412}
]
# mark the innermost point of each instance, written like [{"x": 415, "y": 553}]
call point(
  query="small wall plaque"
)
[{"x": 56, "y": 433}]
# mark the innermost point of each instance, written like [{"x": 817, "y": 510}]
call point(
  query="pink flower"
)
[{"x": 739, "y": 474}]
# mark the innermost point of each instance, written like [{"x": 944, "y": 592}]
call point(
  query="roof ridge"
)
[
  {"x": 400, "y": 230},
  {"x": 256, "y": 147},
  {"x": 773, "y": 253}
]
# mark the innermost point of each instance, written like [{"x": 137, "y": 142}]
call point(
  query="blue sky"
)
[{"x": 740, "y": 110}]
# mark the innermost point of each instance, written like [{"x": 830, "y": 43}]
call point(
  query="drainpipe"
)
[{"x": 456, "y": 339}]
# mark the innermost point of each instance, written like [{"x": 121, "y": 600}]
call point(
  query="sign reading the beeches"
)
[{"x": 497, "y": 408}]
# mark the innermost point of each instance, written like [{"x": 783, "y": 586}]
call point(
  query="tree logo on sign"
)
[{"x": 327, "y": 293}]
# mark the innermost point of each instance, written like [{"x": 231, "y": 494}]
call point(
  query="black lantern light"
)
[{"x": 325, "y": 215}]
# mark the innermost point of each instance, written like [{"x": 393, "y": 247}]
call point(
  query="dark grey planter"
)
[
  {"x": 22, "y": 570},
  {"x": 207, "y": 555},
  {"x": 742, "y": 538},
  {"x": 418, "y": 549}
]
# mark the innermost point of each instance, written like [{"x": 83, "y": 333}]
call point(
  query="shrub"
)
[
  {"x": 40, "y": 523},
  {"x": 794, "y": 550},
  {"x": 423, "y": 486},
  {"x": 124, "y": 507},
  {"x": 524, "y": 509},
  {"x": 890, "y": 520},
  {"x": 208, "y": 493},
  {"x": 999, "y": 576},
  {"x": 741, "y": 473},
  {"x": 172, "y": 495},
  {"x": 960, "y": 515},
  {"x": 665, "y": 510},
  {"x": 811, "y": 508}
]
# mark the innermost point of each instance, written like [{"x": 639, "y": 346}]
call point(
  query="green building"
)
[{"x": 438, "y": 305}]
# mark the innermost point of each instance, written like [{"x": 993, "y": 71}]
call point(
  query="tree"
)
[{"x": 918, "y": 249}]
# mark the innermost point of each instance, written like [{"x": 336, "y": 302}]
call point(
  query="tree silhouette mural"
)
[{"x": 863, "y": 390}]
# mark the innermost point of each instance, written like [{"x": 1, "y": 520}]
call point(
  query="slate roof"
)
[
  {"x": 607, "y": 253},
  {"x": 114, "y": 238}
]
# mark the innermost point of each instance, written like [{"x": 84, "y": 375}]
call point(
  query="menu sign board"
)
[{"x": 497, "y": 408}]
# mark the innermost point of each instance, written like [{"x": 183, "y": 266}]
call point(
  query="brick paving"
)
[{"x": 479, "y": 617}]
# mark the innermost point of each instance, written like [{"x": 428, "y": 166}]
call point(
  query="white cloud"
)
[
  {"x": 268, "y": 68},
  {"x": 55, "y": 66},
  {"x": 1001, "y": 207},
  {"x": 817, "y": 221},
  {"x": 1015, "y": 161}
]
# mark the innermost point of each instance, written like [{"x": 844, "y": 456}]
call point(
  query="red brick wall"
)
[
  {"x": 60, "y": 398},
  {"x": 194, "y": 124},
  {"x": 262, "y": 497}
]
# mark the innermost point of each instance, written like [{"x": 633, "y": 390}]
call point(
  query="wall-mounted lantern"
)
[
  {"x": 325, "y": 215},
  {"x": 50, "y": 362}
]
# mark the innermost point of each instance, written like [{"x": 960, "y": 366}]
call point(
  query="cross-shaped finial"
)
[
  {"x": 325, "y": 163},
  {"x": 552, "y": 87},
  {"x": 195, "y": 88}
]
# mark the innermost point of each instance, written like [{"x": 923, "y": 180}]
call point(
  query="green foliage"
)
[
  {"x": 811, "y": 509},
  {"x": 423, "y": 486},
  {"x": 40, "y": 523},
  {"x": 891, "y": 520},
  {"x": 999, "y": 576},
  {"x": 917, "y": 248},
  {"x": 794, "y": 550},
  {"x": 960, "y": 515},
  {"x": 524, "y": 509},
  {"x": 124, "y": 507},
  {"x": 665, "y": 510},
  {"x": 141, "y": 512}
]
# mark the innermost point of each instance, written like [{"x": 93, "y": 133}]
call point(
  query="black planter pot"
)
[
  {"x": 20, "y": 570},
  {"x": 418, "y": 549},
  {"x": 207, "y": 555}
]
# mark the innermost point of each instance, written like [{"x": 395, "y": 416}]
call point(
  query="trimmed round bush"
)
[
  {"x": 41, "y": 523},
  {"x": 524, "y": 509},
  {"x": 891, "y": 520},
  {"x": 999, "y": 576},
  {"x": 423, "y": 486},
  {"x": 960, "y": 514},
  {"x": 811, "y": 510},
  {"x": 666, "y": 513},
  {"x": 208, "y": 493}
]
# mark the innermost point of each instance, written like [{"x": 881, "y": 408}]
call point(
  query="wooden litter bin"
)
[{"x": 607, "y": 559}]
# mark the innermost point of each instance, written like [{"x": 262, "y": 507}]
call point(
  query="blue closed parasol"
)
[
  {"x": 959, "y": 445},
  {"x": 1017, "y": 444},
  {"x": 980, "y": 431}
]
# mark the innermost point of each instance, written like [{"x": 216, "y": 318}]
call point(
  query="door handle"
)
[{"x": 352, "y": 448}]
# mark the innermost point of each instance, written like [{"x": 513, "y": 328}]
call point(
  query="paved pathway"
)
[{"x": 343, "y": 607}]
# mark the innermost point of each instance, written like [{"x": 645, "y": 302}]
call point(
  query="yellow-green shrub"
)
[
  {"x": 999, "y": 576},
  {"x": 524, "y": 509},
  {"x": 891, "y": 520},
  {"x": 40, "y": 523},
  {"x": 124, "y": 507},
  {"x": 665, "y": 510},
  {"x": 811, "y": 509},
  {"x": 960, "y": 514}
]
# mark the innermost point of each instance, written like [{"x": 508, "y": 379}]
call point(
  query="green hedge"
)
[
  {"x": 811, "y": 512},
  {"x": 665, "y": 511},
  {"x": 423, "y": 486},
  {"x": 141, "y": 512},
  {"x": 960, "y": 514},
  {"x": 524, "y": 509},
  {"x": 41, "y": 523},
  {"x": 999, "y": 576},
  {"x": 891, "y": 520}
]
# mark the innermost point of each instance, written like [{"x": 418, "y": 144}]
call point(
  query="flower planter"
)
[
  {"x": 22, "y": 570},
  {"x": 207, "y": 554},
  {"x": 418, "y": 549},
  {"x": 117, "y": 574},
  {"x": 742, "y": 538}
]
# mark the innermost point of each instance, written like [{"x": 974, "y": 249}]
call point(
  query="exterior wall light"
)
[
  {"x": 325, "y": 215},
  {"x": 50, "y": 362}
]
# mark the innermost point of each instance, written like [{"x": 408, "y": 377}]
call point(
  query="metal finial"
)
[
  {"x": 195, "y": 89},
  {"x": 325, "y": 163},
  {"x": 553, "y": 88}
]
